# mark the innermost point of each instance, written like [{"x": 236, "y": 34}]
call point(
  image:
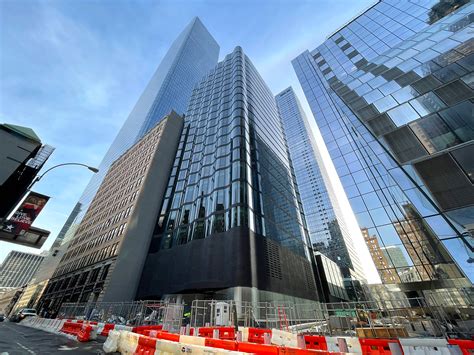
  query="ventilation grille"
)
[{"x": 272, "y": 260}]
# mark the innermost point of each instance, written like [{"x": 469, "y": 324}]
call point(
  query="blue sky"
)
[{"x": 72, "y": 70}]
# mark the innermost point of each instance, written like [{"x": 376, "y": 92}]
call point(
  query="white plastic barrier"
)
[
  {"x": 128, "y": 342},
  {"x": 192, "y": 340},
  {"x": 166, "y": 347},
  {"x": 123, "y": 327},
  {"x": 282, "y": 338},
  {"x": 425, "y": 346},
  {"x": 245, "y": 333},
  {"x": 344, "y": 344},
  {"x": 111, "y": 343}
]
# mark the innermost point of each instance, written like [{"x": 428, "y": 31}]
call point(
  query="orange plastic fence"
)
[
  {"x": 146, "y": 346},
  {"x": 225, "y": 333},
  {"x": 167, "y": 336},
  {"x": 107, "y": 328},
  {"x": 84, "y": 333},
  {"x": 466, "y": 346},
  {"x": 221, "y": 344},
  {"x": 71, "y": 328},
  {"x": 142, "y": 328},
  {"x": 258, "y": 348},
  {"x": 256, "y": 335},
  {"x": 376, "y": 346},
  {"x": 315, "y": 342}
]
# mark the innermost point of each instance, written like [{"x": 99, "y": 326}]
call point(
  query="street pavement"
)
[{"x": 16, "y": 339}]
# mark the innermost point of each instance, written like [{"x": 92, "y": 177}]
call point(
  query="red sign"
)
[{"x": 24, "y": 217}]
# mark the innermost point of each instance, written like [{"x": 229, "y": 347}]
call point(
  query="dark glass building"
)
[
  {"x": 392, "y": 94},
  {"x": 192, "y": 54},
  {"x": 332, "y": 231},
  {"x": 231, "y": 224}
]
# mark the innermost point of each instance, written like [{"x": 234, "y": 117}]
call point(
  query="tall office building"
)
[
  {"x": 193, "y": 53},
  {"x": 392, "y": 95},
  {"x": 231, "y": 225},
  {"x": 328, "y": 226},
  {"x": 18, "y": 268},
  {"x": 105, "y": 259}
]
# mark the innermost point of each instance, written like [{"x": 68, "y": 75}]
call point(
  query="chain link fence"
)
[{"x": 170, "y": 315}]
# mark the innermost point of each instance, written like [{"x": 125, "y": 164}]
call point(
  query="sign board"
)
[{"x": 18, "y": 228}]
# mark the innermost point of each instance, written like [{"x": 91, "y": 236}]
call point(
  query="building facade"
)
[
  {"x": 231, "y": 224},
  {"x": 18, "y": 268},
  {"x": 392, "y": 95},
  {"x": 328, "y": 227},
  {"x": 192, "y": 54},
  {"x": 104, "y": 260}
]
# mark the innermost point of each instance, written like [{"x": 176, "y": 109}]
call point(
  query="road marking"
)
[{"x": 27, "y": 349}]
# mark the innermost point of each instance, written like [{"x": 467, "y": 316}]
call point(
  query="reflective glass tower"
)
[
  {"x": 392, "y": 94},
  {"x": 193, "y": 53},
  {"x": 329, "y": 228},
  {"x": 231, "y": 225}
]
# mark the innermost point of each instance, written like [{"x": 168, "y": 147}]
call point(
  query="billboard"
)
[{"x": 17, "y": 228}]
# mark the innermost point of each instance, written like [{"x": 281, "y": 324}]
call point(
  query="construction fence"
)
[{"x": 363, "y": 319}]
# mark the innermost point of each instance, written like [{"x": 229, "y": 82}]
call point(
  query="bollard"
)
[
  {"x": 267, "y": 338},
  {"x": 301, "y": 342},
  {"x": 215, "y": 334},
  {"x": 342, "y": 345}
]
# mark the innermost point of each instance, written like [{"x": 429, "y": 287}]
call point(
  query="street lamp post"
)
[{"x": 38, "y": 178}]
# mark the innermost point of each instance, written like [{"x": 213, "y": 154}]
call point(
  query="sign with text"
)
[{"x": 24, "y": 217}]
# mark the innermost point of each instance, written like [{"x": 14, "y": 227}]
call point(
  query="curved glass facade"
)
[
  {"x": 193, "y": 53},
  {"x": 392, "y": 95},
  {"x": 232, "y": 168},
  {"x": 231, "y": 209}
]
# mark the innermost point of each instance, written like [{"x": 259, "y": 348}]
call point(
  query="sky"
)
[{"x": 72, "y": 70}]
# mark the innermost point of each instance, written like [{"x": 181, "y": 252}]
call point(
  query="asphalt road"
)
[{"x": 16, "y": 339}]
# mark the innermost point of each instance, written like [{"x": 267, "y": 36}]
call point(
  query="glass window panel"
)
[
  {"x": 403, "y": 114},
  {"x": 427, "y": 104},
  {"x": 385, "y": 103},
  {"x": 465, "y": 158},
  {"x": 454, "y": 92},
  {"x": 404, "y": 145},
  {"x": 434, "y": 134},
  {"x": 460, "y": 119}
]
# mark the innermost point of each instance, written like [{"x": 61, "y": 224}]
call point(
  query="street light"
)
[{"x": 38, "y": 178}]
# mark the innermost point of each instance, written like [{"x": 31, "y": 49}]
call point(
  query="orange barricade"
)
[
  {"x": 466, "y": 346},
  {"x": 84, "y": 333},
  {"x": 225, "y": 333},
  {"x": 107, "y": 328},
  {"x": 316, "y": 342},
  {"x": 146, "y": 346},
  {"x": 376, "y": 346},
  {"x": 258, "y": 348},
  {"x": 296, "y": 351},
  {"x": 256, "y": 335},
  {"x": 167, "y": 336},
  {"x": 71, "y": 328},
  {"x": 141, "y": 329},
  {"x": 221, "y": 344},
  {"x": 205, "y": 332}
]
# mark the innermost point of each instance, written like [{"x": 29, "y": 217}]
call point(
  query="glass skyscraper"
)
[
  {"x": 328, "y": 226},
  {"x": 392, "y": 94},
  {"x": 193, "y": 53},
  {"x": 231, "y": 224}
]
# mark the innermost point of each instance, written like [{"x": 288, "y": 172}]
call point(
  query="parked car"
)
[
  {"x": 2, "y": 317},
  {"x": 22, "y": 314}
]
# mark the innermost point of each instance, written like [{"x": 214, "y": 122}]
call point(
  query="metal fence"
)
[
  {"x": 374, "y": 319},
  {"x": 409, "y": 317},
  {"x": 170, "y": 315}
]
